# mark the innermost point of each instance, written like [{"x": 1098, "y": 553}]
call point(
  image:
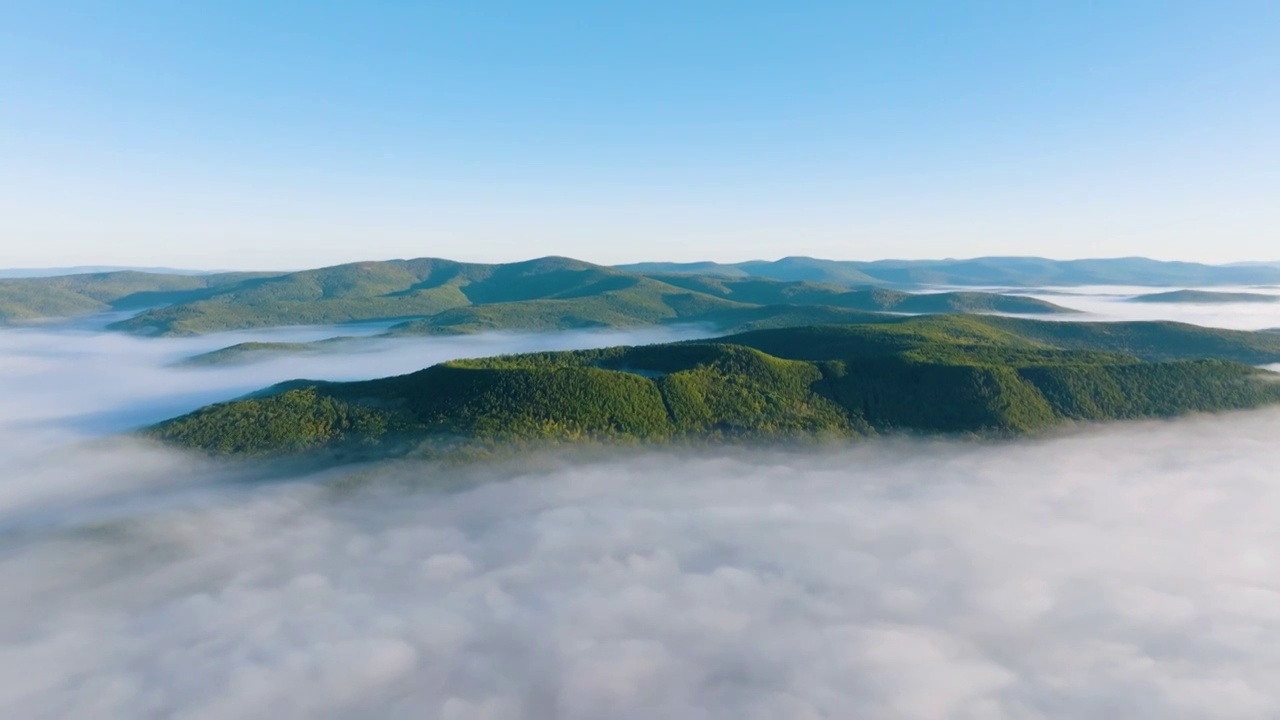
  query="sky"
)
[{"x": 240, "y": 134}]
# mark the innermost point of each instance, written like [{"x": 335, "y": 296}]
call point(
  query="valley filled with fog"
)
[{"x": 1127, "y": 570}]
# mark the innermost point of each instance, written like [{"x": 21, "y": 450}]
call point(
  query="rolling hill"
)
[
  {"x": 434, "y": 296},
  {"x": 952, "y": 374},
  {"x": 721, "y": 304},
  {"x": 83, "y": 294},
  {"x": 442, "y": 296}
]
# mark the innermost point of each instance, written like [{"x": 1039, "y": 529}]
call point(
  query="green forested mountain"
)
[
  {"x": 725, "y": 304},
  {"x": 442, "y": 296},
  {"x": 934, "y": 374}
]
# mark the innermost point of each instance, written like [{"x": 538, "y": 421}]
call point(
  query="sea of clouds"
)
[{"x": 1129, "y": 570}]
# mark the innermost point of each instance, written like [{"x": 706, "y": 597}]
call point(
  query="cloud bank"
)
[
  {"x": 1127, "y": 571},
  {"x": 61, "y": 383},
  {"x": 65, "y": 384},
  {"x": 1113, "y": 303}
]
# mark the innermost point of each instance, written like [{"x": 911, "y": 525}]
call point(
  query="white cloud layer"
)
[
  {"x": 1123, "y": 571},
  {"x": 1128, "y": 571}
]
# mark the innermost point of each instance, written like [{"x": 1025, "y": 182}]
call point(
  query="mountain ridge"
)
[
  {"x": 948, "y": 374},
  {"x": 436, "y": 295}
]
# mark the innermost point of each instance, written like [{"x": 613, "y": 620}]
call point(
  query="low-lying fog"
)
[
  {"x": 108, "y": 381},
  {"x": 1107, "y": 302},
  {"x": 1121, "y": 571},
  {"x": 63, "y": 384}
]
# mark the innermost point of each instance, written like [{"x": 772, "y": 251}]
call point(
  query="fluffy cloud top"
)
[
  {"x": 1121, "y": 571},
  {"x": 1118, "y": 572}
]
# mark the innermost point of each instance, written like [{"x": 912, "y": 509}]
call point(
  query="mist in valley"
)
[
  {"x": 1115, "y": 303},
  {"x": 1123, "y": 570}
]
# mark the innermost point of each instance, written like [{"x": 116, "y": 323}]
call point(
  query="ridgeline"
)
[
  {"x": 430, "y": 296},
  {"x": 936, "y": 374},
  {"x": 442, "y": 296}
]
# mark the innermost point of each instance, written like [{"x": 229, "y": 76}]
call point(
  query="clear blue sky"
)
[{"x": 289, "y": 134}]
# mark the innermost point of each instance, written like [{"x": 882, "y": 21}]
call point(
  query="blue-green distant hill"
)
[
  {"x": 436, "y": 296},
  {"x": 988, "y": 271},
  {"x": 442, "y": 296},
  {"x": 949, "y": 374}
]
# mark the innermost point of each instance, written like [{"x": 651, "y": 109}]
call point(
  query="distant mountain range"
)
[
  {"x": 92, "y": 269},
  {"x": 987, "y": 271},
  {"x": 430, "y": 295},
  {"x": 433, "y": 296}
]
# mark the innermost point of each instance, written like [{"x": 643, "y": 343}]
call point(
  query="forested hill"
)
[
  {"x": 950, "y": 374},
  {"x": 443, "y": 296}
]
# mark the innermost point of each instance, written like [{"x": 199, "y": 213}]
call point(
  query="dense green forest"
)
[
  {"x": 953, "y": 374},
  {"x": 444, "y": 297}
]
